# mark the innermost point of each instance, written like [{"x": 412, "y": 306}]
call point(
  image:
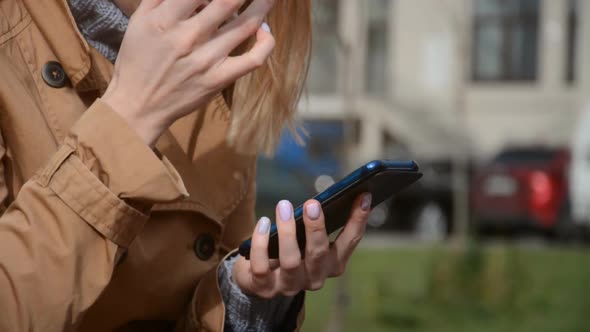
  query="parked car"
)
[
  {"x": 298, "y": 172},
  {"x": 425, "y": 209},
  {"x": 580, "y": 177},
  {"x": 276, "y": 181},
  {"x": 523, "y": 188}
]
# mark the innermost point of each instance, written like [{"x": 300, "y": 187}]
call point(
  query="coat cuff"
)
[
  {"x": 208, "y": 310},
  {"x": 109, "y": 176}
]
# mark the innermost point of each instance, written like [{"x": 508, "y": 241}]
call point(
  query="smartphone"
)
[{"x": 382, "y": 178}]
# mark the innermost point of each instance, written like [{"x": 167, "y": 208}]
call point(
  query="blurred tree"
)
[{"x": 460, "y": 13}]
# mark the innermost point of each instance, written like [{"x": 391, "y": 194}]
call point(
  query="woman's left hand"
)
[{"x": 291, "y": 273}]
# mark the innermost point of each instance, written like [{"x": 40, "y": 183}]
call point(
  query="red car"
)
[{"x": 522, "y": 188}]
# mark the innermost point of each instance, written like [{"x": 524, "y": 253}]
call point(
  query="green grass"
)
[{"x": 493, "y": 289}]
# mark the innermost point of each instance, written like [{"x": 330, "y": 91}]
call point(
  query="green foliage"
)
[
  {"x": 485, "y": 280},
  {"x": 498, "y": 288}
]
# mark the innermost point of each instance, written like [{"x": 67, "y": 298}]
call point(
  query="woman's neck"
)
[{"x": 127, "y": 6}]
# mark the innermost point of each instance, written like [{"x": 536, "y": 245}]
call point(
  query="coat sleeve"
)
[
  {"x": 206, "y": 311},
  {"x": 60, "y": 235}
]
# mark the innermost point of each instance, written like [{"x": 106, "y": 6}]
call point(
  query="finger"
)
[
  {"x": 259, "y": 251},
  {"x": 213, "y": 15},
  {"x": 317, "y": 244},
  {"x": 243, "y": 276},
  {"x": 173, "y": 11},
  {"x": 235, "y": 67},
  {"x": 243, "y": 27},
  {"x": 289, "y": 254},
  {"x": 352, "y": 233}
]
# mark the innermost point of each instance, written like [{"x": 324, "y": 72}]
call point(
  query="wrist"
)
[{"x": 147, "y": 128}]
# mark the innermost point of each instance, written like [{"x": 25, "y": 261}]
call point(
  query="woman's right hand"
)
[{"x": 172, "y": 61}]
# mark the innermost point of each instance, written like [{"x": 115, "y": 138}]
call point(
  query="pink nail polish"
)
[
  {"x": 366, "y": 202},
  {"x": 285, "y": 210},
  {"x": 263, "y": 225},
  {"x": 313, "y": 211}
]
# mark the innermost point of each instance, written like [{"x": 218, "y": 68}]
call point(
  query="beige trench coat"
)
[{"x": 98, "y": 232}]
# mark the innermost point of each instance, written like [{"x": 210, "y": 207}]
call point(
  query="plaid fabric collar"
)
[{"x": 101, "y": 23}]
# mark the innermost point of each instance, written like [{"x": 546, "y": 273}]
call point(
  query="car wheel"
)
[{"x": 431, "y": 223}]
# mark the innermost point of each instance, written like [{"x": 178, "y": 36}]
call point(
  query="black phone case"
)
[{"x": 337, "y": 210}]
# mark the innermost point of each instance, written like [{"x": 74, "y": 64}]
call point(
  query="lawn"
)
[{"x": 493, "y": 289}]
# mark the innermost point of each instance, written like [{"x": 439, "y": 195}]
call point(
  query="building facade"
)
[{"x": 425, "y": 78}]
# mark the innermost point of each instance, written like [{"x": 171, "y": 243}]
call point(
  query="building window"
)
[
  {"x": 571, "y": 36},
  {"x": 323, "y": 70},
  {"x": 505, "y": 40},
  {"x": 376, "y": 64}
]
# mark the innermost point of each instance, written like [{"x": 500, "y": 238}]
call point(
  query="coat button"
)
[
  {"x": 204, "y": 246},
  {"x": 54, "y": 75}
]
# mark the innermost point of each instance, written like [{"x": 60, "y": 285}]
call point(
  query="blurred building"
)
[{"x": 423, "y": 78}]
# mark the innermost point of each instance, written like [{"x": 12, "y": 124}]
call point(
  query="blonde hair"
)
[{"x": 265, "y": 101}]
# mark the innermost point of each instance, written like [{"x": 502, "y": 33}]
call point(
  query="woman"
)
[{"x": 126, "y": 188}]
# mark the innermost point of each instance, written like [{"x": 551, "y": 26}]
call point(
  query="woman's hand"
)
[
  {"x": 291, "y": 274},
  {"x": 173, "y": 59}
]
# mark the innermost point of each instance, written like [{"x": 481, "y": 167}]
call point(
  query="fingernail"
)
[
  {"x": 313, "y": 210},
  {"x": 285, "y": 210},
  {"x": 366, "y": 202},
  {"x": 263, "y": 225},
  {"x": 265, "y": 27}
]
